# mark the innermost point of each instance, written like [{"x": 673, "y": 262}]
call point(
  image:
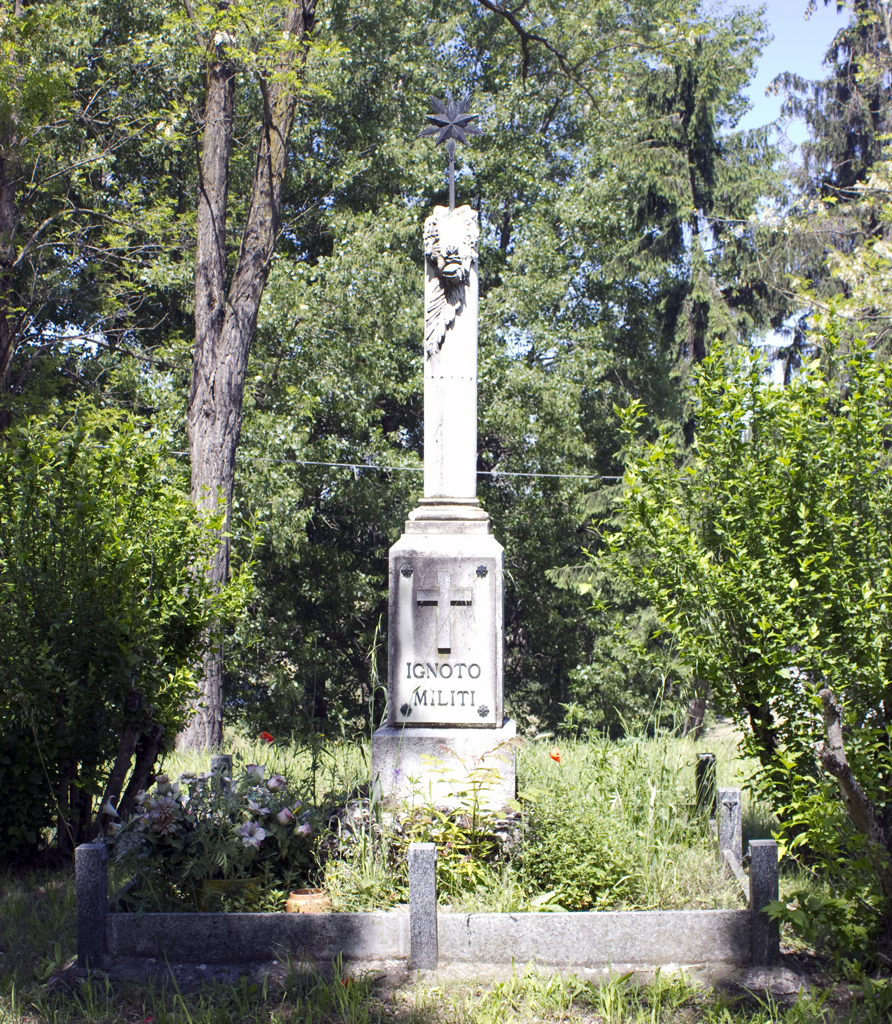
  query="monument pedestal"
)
[
  {"x": 431, "y": 765},
  {"x": 445, "y": 661}
]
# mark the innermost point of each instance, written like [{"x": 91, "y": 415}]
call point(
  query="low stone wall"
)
[
  {"x": 425, "y": 937},
  {"x": 249, "y": 938},
  {"x": 594, "y": 938},
  {"x": 583, "y": 940}
]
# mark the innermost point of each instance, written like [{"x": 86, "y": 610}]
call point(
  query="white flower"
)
[
  {"x": 276, "y": 782},
  {"x": 255, "y": 772},
  {"x": 304, "y": 830},
  {"x": 252, "y": 834},
  {"x": 284, "y": 816},
  {"x": 162, "y": 816}
]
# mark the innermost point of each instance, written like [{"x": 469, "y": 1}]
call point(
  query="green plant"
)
[
  {"x": 104, "y": 611},
  {"x": 186, "y": 836},
  {"x": 766, "y": 549}
]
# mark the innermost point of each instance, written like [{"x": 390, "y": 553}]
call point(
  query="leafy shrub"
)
[
  {"x": 571, "y": 848},
  {"x": 767, "y": 551},
  {"x": 104, "y": 612}
]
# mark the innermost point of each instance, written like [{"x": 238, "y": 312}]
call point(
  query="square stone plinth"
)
[
  {"x": 445, "y": 630},
  {"x": 432, "y": 766}
]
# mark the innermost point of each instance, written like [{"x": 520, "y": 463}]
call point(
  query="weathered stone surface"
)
[
  {"x": 404, "y": 771},
  {"x": 639, "y": 937},
  {"x": 578, "y": 940},
  {"x": 763, "y": 889},
  {"x": 423, "y": 906},
  {"x": 705, "y": 783},
  {"x": 445, "y": 620},
  {"x": 781, "y": 984},
  {"x": 450, "y": 354},
  {"x": 247, "y": 938},
  {"x": 446, "y": 632},
  {"x": 730, "y": 823},
  {"x": 91, "y": 887}
]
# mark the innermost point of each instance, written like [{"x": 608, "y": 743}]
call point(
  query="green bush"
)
[
  {"x": 104, "y": 616},
  {"x": 188, "y": 833},
  {"x": 612, "y": 824},
  {"x": 766, "y": 548},
  {"x": 571, "y": 849}
]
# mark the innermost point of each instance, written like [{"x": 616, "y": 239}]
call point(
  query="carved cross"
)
[{"x": 444, "y": 597}]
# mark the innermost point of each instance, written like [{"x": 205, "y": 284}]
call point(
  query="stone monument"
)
[{"x": 445, "y": 657}]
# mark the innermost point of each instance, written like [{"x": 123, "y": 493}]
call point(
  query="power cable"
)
[{"x": 415, "y": 469}]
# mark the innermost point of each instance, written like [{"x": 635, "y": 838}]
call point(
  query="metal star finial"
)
[{"x": 451, "y": 123}]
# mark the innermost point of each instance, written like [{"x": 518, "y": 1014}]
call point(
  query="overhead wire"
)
[{"x": 415, "y": 469}]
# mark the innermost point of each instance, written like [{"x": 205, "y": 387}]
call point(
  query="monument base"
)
[{"x": 405, "y": 772}]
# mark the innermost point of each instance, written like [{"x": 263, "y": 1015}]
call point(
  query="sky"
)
[{"x": 798, "y": 46}]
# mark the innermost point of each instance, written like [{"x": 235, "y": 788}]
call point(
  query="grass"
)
[
  {"x": 628, "y": 804},
  {"x": 640, "y": 790},
  {"x": 37, "y": 939}
]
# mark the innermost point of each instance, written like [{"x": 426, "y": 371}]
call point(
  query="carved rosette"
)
[{"x": 450, "y": 249}]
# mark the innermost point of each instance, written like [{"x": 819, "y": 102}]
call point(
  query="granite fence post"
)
[
  {"x": 730, "y": 825},
  {"x": 221, "y": 770},
  {"x": 423, "y": 952},
  {"x": 91, "y": 889},
  {"x": 763, "y": 889},
  {"x": 704, "y": 786}
]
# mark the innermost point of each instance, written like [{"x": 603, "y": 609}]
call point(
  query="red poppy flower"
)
[
  {"x": 265, "y": 736},
  {"x": 555, "y": 755}
]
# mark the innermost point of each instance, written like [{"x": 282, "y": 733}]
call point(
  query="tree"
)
[
  {"x": 104, "y": 615},
  {"x": 226, "y": 311},
  {"x": 566, "y": 331},
  {"x": 766, "y": 553},
  {"x": 91, "y": 171},
  {"x": 849, "y": 116}
]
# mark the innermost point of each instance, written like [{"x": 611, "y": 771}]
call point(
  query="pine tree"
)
[{"x": 849, "y": 116}]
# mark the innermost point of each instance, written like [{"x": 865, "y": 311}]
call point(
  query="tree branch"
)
[{"x": 860, "y": 808}]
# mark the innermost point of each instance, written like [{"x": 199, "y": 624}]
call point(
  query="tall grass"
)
[
  {"x": 640, "y": 790},
  {"x": 612, "y": 825}
]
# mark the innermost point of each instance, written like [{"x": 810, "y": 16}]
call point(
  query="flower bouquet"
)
[{"x": 205, "y": 830}]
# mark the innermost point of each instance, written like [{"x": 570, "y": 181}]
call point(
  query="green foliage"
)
[
  {"x": 835, "y": 230},
  {"x": 578, "y": 855},
  {"x": 183, "y": 838},
  {"x": 103, "y": 613},
  {"x": 766, "y": 552},
  {"x": 613, "y": 825},
  {"x": 586, "y": 287}
]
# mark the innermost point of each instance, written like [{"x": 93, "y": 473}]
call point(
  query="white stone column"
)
[
  {"x": 450, "y": 402},
  {"x": 445, "y": 640},
  {"x": 450, "y": 357}
]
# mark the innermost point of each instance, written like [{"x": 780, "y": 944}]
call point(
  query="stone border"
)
[{"x": 426, "y": 937}]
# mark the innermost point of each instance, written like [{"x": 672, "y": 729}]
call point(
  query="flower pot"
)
[
  {"x": 308, "y": 901},
  {"x": 212, "y": 891}
]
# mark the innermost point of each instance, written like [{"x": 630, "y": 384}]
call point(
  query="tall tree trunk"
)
[{"x": 225, "y": 322}]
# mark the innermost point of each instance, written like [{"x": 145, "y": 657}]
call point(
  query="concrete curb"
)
[
  {"x": 652, "y": 937},
  {"x": 584, "y": 939}
]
